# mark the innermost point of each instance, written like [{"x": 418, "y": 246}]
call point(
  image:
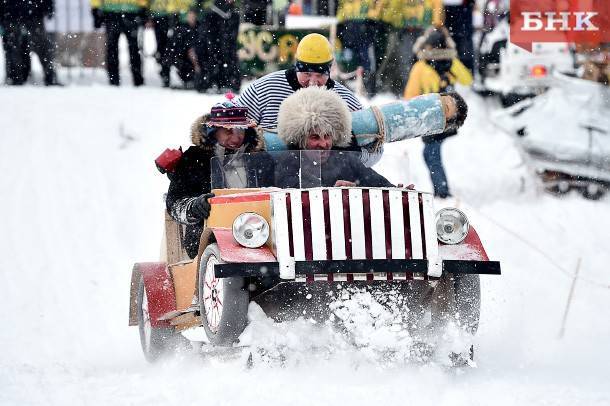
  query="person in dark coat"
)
[
  {"x": 217, "y": 46},
  {"x": 317, "y": 120},
  {"x": 23, "y": 23},
  {"x": 227, "y": 134},
  {"x": 458, "y": 20},
  {"x": 121, "y": 17}
]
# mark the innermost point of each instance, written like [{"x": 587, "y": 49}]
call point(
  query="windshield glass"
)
[{"x": 301, "y": 169}]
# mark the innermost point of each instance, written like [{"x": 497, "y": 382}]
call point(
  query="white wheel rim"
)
[
  {"x": 213, "y": 295},
  {"x": 146, "y": 326}
]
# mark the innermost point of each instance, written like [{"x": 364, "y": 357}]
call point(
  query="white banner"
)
[{"x": 71, "y": 16}]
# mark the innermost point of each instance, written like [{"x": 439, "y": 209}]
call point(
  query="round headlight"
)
[
  {"x": 250, "y": 230},
  {"x": 451, "y": 226}
]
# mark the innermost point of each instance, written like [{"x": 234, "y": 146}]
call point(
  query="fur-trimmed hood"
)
[
  {"x": 314, "y": 109},
  {"x": 254, "y": 138},
  {"x": 437, "y": 54}
]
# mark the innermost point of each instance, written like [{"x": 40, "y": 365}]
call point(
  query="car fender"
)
[
  {"x": 159, "y": 291},
  {"x": 471, "y": 249},
  {"x": 230, "y": 250}
]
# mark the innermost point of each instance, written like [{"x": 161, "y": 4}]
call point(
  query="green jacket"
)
[
  {"x": 119, "y": 6},
  {"x": 409, "y": 13},
  {"x": 423, "y": 13}
]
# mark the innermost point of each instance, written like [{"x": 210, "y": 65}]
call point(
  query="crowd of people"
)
[
  {"x": 407, "y": 47},
  {"x": 199, "y": 37},
  {"x": 23, "y": 31},
  {"x": 379, "y": 35}
]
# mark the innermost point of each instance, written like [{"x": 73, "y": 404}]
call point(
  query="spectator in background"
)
[
  {"x": 408, "y": 19},
  {"x": 458, "y": 20},
  {"x": 437, "y": 70},
  {"x": 23, "y": 23},
  {"x": 11, "y": 71},
  {"x": 379, "y": 31},
  {"x": 159, "y": 18},
  {"x": 121, "y": 17},
  {"x": 356, "y": 35},
  {"x": 217, "y": 45},
  {"x": 180, "y": 50}
]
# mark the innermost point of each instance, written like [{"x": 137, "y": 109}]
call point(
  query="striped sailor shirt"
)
[{"x": 264, "y": 96}]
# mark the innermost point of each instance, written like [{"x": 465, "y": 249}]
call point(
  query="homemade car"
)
[{"x": 260, "y": 241}]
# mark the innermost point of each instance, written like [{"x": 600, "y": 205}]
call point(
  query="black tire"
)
[
  {"x": 467, "y": 293},
  {"x": 223, "y": 302},
  {"x": 156, "y": 342},
  {"x": 593, "y": 191}
]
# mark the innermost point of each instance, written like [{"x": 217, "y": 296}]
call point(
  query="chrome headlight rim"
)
[
  {"x": 460, "y": 231},
  {"x": 248, "y": 233}
]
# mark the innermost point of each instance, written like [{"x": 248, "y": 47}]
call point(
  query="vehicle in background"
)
[
  {"x": 513, "y": 73},
  {"x": 564, "y": 135}
]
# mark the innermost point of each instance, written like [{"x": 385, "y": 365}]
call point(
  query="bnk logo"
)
[
  {"x": 575, "y": 21},
  {"x": 535, "y": 21}
]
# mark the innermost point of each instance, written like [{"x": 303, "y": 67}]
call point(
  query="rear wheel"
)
[
  {"x": 156, "y": 341},
  {"x": 593, "y": 191},
  {"x": 223, "y": 301}
]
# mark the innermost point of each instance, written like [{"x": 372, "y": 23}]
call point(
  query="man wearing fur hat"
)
[
  {"x": 226, "y": 133},
  {"x": 317, "y": 120}
]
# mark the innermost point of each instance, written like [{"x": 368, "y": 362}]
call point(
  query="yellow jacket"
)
[
  {"x": 119, "y": 6},
  {"x": 353, "y": 9},
  {"x": 408, "y": 13},
  {"x": 424, "y": 79}
]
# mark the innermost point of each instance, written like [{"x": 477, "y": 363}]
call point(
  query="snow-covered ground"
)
[{"x": 81, "y": 202}]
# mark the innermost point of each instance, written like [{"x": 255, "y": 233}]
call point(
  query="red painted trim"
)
[
  {"x": 473, "y": 241},
  {"x": 422, "y": 226},
  {"x": 307, "y": 235},
  {"x": 469, "y": 249},
  {"x": 406, "y": 219},
  {"x": 289, "y": 217},
  {"x": 368, "y": 238},
  {"x": 327, "y": 231},
  {"x": 387, "y": 224},
  {"x": 159, "y": 291},
  {"x": 347, "y": 227},
  {"x": 242, "y": 198},
  {"x": 231, "y": 251}
]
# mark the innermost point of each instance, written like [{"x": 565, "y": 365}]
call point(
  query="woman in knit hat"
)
[{"x": 228, "y": 134}]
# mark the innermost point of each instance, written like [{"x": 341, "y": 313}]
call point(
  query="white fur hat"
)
[{"x": 314, "y": 109}]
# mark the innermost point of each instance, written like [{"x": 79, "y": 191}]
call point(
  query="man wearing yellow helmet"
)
[{"x": 314, "y": 58}]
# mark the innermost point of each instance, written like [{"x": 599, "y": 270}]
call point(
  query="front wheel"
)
[
  {"x": 156, "y": 342},
  {"x": 223, "y": 301}
]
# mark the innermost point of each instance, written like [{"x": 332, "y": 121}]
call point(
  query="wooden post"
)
[{"x": 569, "y": 302}]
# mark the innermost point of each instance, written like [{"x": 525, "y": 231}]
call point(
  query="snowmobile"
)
[
  {"x": 564, "y": 135},
  {"x": 279, "y": 247},
  {"x": 515, "y": 74}
]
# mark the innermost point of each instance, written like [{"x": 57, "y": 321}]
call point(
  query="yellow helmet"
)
[{"x": 314, "y": 49}]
